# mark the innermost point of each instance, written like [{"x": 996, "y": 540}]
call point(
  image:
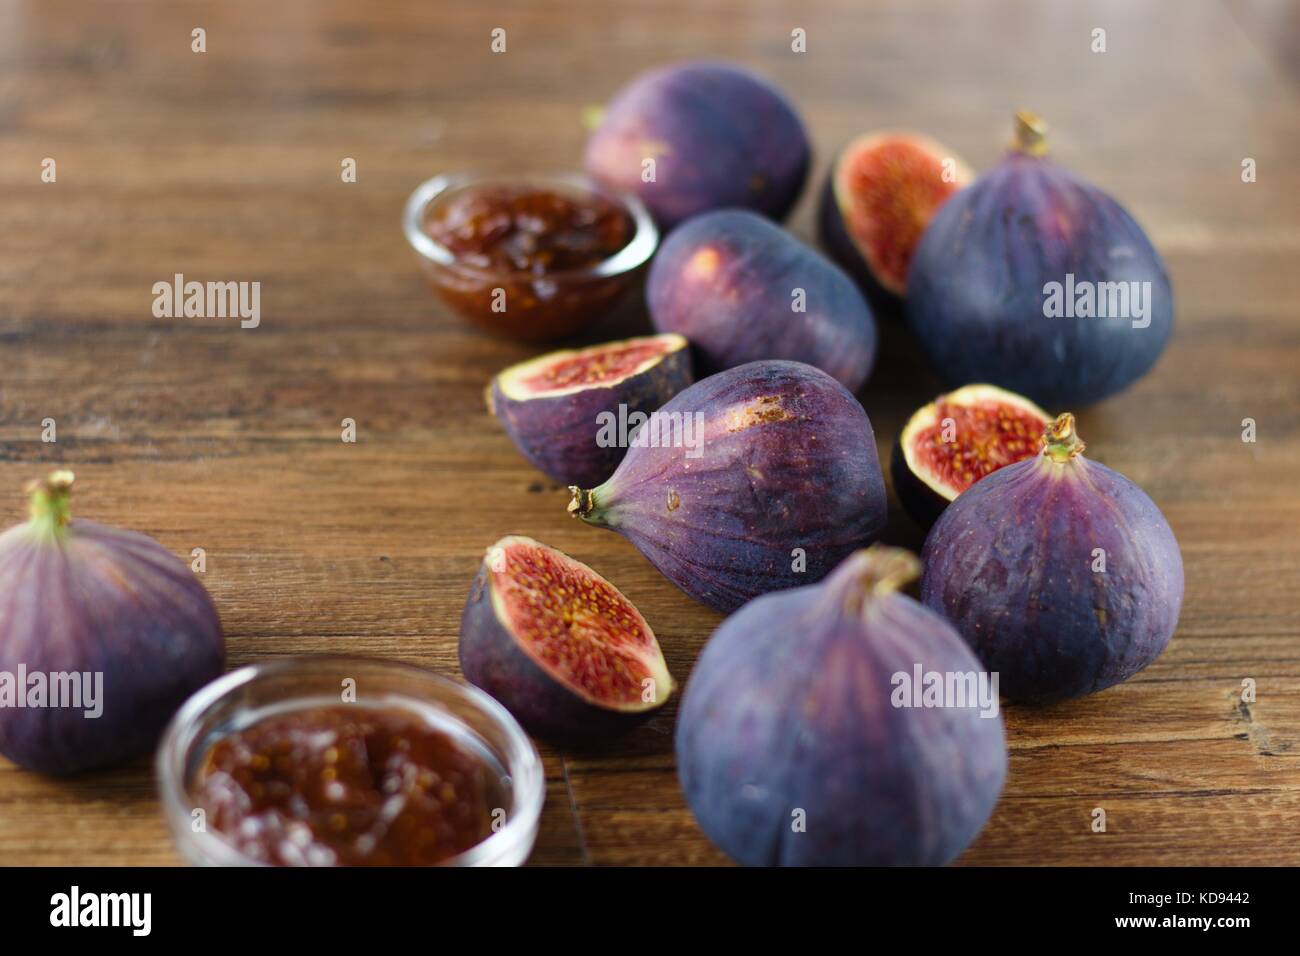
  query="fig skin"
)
[
  {"x": 726, "y": 281},
  {"x": 790, "y": 707},
  {"x": 975, "y": 296},
  {"x": 82, "y": 596},
  {"x": 492, "y": 659},
  {"x": 1010, "y": 564},
  {"x": 720, "y": 136},
  {"x": 558, "y": 433},
  {"x": 787, "y": 461}
]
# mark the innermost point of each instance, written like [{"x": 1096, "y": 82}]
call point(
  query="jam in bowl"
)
[{"x": 534, "y": 258}]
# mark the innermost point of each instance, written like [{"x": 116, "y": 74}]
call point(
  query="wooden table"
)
[{"x": 225, "y": 165}]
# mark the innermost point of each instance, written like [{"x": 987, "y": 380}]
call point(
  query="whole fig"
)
[
  {"x": 103, "y": 634},
  {"x": 805, "y": 740},
  {"x": 743, "y": 289},
  {"x": 1062, "y": 575},
  {"x": 1034, "y": 280},
  {"x": 758, "y": 478},
  {"x": 698, "y": 136}
]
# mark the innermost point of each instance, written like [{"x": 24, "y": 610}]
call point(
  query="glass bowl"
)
[
  {"x": 537, "y": 307},
  {"x": 245, "y": 696}
]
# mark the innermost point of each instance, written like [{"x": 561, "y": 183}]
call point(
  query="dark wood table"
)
[{"x": 225, "y": 165}]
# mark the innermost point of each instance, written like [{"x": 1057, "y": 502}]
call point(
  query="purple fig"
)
[
  {"x": 565, "y": 410},
  {"x": 743, "y": 289},
  {"x": 1061, "y": 574},
  {"x": 698, "y": 136},
  {"x": 1034, "y": 280},
  {"x": 758, "y": 478},
  {"x": 559, "y": 646},
  {"x": 816, "y": 729},
  {"x": 103, "y": 634}
]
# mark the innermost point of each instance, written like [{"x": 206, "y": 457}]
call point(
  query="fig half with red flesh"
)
[
  {"x": 571, "y": 412},
  {"x": 959, "y": 438},
  {"x": 882, "y": 191},
  {"x": 559, "y": 646}
]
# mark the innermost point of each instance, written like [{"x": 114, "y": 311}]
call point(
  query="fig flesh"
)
[
  {"x": 1034, "y": 280},
  {"x": 569, "y": 412},
  {"x": 559, "y": 646},
  {"x": 103, "y": 635},
  {"x": 698, "y": 136},
  {"x": 798, "y": 743},
  {"x": 882, "y": 191},
  {"x": 1061, "y": 574},
  {"x": 743, "y": 289},
  {"x": 959, "y": 438},
  {"x": 758, "y": 478}
]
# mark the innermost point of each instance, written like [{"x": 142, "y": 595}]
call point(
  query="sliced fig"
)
[
  {"x": 570, "y": 412},
  {"x": 956, "y": 440},
  {"x": 881, "y": 194},
  {"x": 559, "y": 646}
]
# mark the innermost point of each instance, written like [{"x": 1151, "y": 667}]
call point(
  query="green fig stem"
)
[
  {"x": 582, "y": 503},
  {"x": 48, "y": 499},
  {"x": 1060, "y": 441},
  {"x": 1031, "y": 134}
]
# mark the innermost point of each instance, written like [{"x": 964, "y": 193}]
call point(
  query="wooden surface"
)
[{"x": 226, "y": 166}]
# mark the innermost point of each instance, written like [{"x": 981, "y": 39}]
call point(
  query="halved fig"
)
[
  {"x": 956, "y": 440},
  {"x": 571, "y": 412},
  {"x": 559, "y": 646},
  {"x": 882, "y": 191}
]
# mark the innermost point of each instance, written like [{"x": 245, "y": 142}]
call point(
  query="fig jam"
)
[
  {"x": 523, "y": 256},
  {"x": 529, "y": 229},
  {"x": 348, "y": 785}
]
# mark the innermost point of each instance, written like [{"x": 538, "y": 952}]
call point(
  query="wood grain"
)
[{"x": 225, "y": 166}]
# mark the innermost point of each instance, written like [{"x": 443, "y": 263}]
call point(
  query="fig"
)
[
  {"x": 953, "y": 442},
  {"x": 1035, "y": 280},
  {"x": 570, "y": 412},
  {"x": 756, "y": 479},
  {"x": 1062, "y": 575},
  {"x": 802, "y": 741},
  {"x": 103, "y": 635},
  {"x": 743, "y": 289},
  {"x": 882, "y": 191},
  {"x": 559, "y": 646},
  {"x": 698, "y": 136}
]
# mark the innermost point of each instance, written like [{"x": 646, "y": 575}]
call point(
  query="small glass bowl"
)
[
  {"x": 245, "y": 696},
  {"x": 541, "y": 307}
]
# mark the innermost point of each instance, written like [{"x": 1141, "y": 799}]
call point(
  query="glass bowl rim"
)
[
  {"x": 527, "y": 781},
  {"x": 639, "y": 249}
]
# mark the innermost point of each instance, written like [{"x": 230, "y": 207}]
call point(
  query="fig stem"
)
[
  {"x": 1060, "y": 441},
  {"x": 1031, "y": 134},
  {"x": 48, "y": 500},
  {"x": 886, "y": 570},
  {"x": 582, "y": 503}
]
